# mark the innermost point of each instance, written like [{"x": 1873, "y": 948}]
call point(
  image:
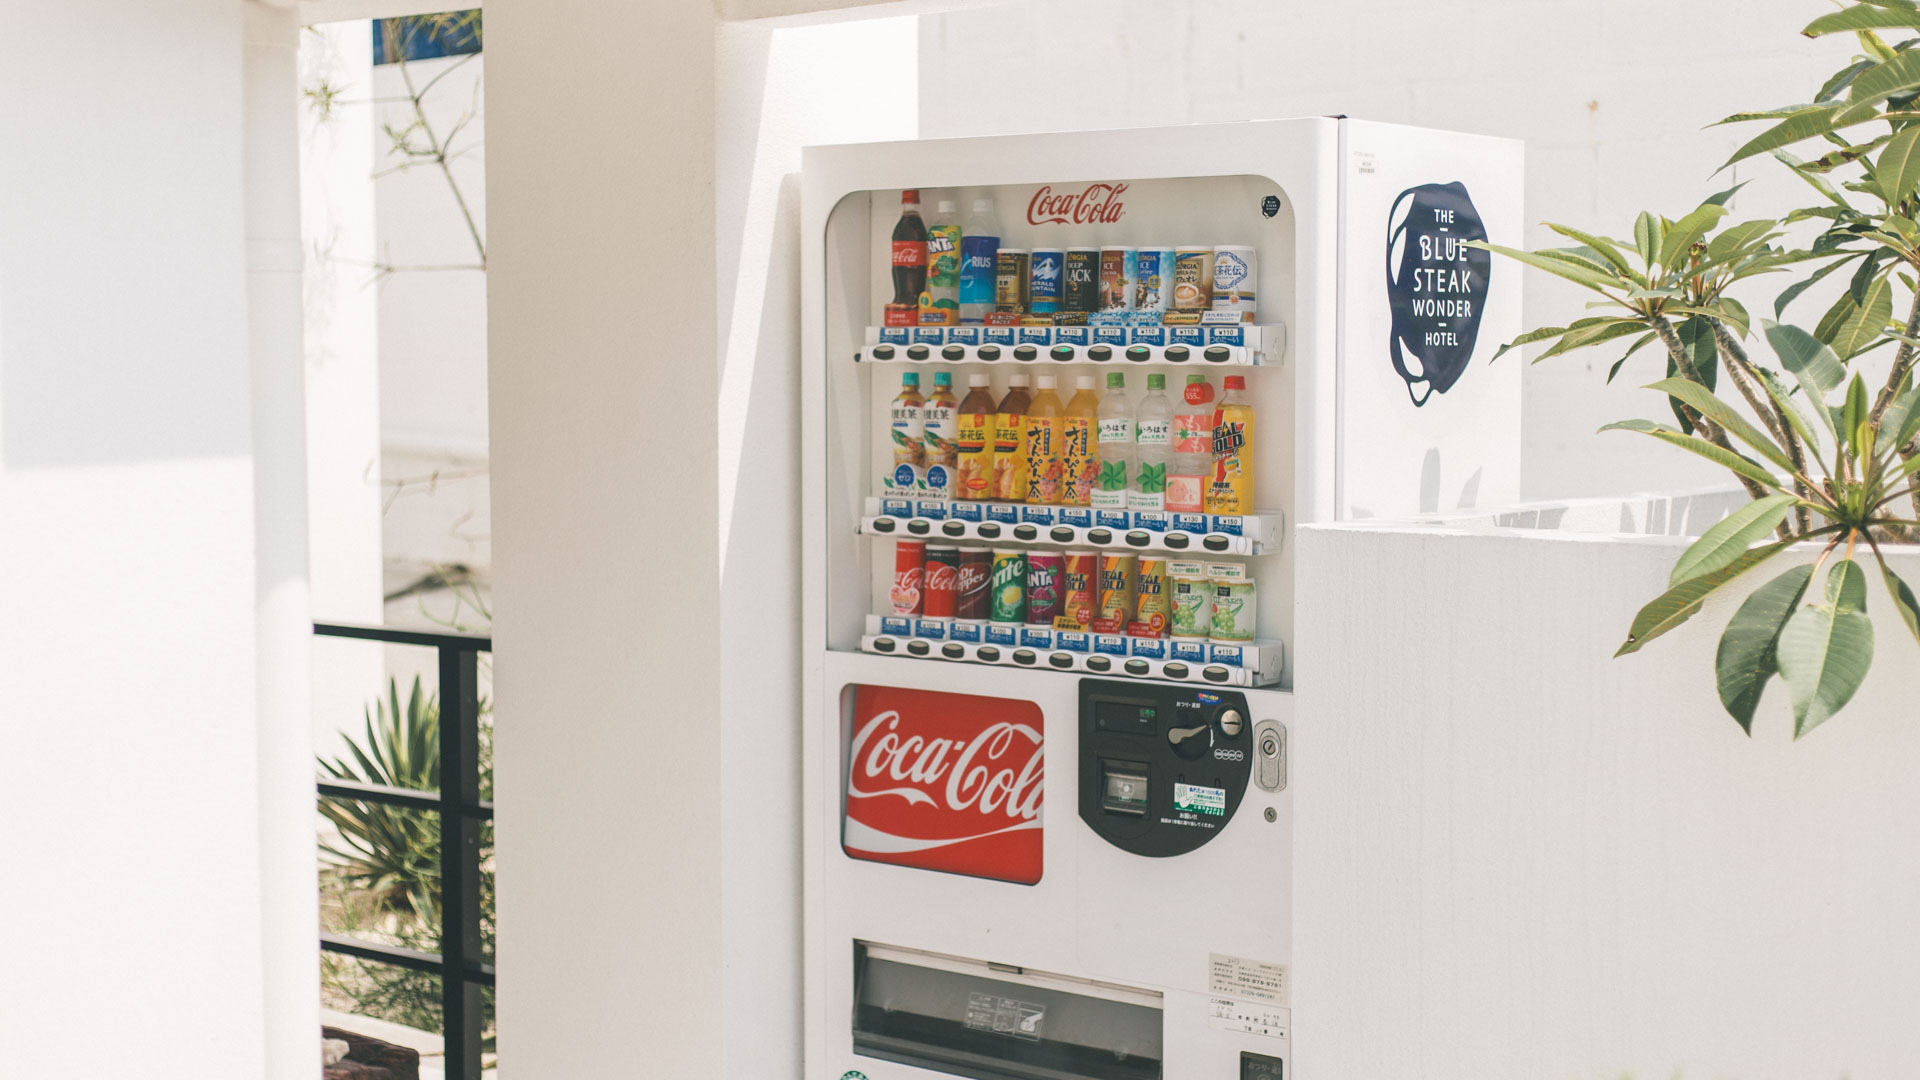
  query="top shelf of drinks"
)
[{"x": 956, "y": 285}]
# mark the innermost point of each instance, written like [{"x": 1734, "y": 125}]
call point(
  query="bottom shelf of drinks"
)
[{"x": 1091, "y": 611}]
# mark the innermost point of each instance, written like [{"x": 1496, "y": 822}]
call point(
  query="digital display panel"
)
[{"x": 1125, "y": 717}]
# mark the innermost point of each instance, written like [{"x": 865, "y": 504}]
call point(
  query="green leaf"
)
[
  {"x": 1696, "y": 337},
  {"x": 1862, "y": 17},
  {"x": 1779, "y": 393},
  {"x": 1693, "y": 226},
  {"x": 1899, "y": 411},
  {"x": 1602, "y": 246},
  {"x": 1578, "y": 273},
  {"x": 1591, "y": 335},
  {"x": 1647, "y": 234},
  {"x": 1711, "y": 407},
  {"x": 1852, "y": 327},
  {"x": 1731, "y": 537},
  {"x": 1734, "y": 237},
  {"x": 1882, "y": 81},
  {"x": 1680, "y": 602},
  {"x": 1742, "y": 465},
  {"x": 1842, "y": 79},
  {"x": 1826, "y": 649},
  {"x": 1819, "y": 183},
  {"x": 1853, "y": 413},
  {"x": 1746, "y": 657},
  {"x": 1795, "y": 128},
  {"x": 1903, "y": 599},
  {"x": 1807, "y": 357},
  {"x": 1897, "y": 172}
]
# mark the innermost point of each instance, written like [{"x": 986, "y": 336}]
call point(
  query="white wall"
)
[
  {"x": 131, "y": 919},
  {"x": 601, "y": 330},
  {"x": 1520, "y": 858},
  {"x": 1609, "y": 97}
]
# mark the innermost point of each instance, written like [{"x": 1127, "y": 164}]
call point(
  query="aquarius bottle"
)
[
  {"x": 1077, "y": 464},
  {"x": 1043, "y": 443},
  {"x": 1231, "y": 489},
  {"x": 1152, "y": 436}
]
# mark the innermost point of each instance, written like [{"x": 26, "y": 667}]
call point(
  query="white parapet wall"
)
[{"x": 1518, "y": 857}]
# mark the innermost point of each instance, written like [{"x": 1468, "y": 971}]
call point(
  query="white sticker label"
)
[
  {"x": 1200, "y": 800},
  {"x": 1230, "y": 1015},
  {"x": 1236, "y": 976}
]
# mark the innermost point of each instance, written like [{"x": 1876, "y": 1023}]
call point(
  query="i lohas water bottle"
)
[
  {"x": 1114, "y": 445},
  {"x": 979, "y": 262},
  {"x": 1152, "y": 447},
  {"x": 1192, "y": 464}
]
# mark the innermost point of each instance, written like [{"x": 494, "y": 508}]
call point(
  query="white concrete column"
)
[
  {"x": 290, "y": 976},
  {"x": 602, "y": 385}
]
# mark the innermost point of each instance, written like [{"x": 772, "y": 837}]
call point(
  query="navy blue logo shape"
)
[{"x": 1436, "y": 286}]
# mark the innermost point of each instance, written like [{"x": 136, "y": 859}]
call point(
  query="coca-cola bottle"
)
[{"x": 909, "y": 262}]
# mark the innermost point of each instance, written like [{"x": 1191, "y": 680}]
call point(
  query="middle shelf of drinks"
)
[
  {"x": 1074, "y": 526},
  {"x": 1198, "y": 346}
]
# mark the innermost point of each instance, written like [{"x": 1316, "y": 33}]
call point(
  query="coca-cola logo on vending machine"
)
[
  {"x": 1096, "y": 204},
  {"x": 948, "y": 782}
]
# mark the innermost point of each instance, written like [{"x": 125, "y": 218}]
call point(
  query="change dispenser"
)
[{"x": 1010, "y": 810}]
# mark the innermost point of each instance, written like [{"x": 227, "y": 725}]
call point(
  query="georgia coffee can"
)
[
  {"x": 940, "y": 582},
  {"x": 909, "y": 567},
  {"x": 1192, "y": 278},
  {"x": 975, "y": 567},
  {"x": 1119, "y": 266},
  {"x": 1046, "y": 268},
  {"x": 1012, "y": 280},
  {"x": 1153, "y": 278},
  {"x": 1043, "y": 586},
  {"x": 1080, "y": 295},
  {"x": 1079, "y": 591}
]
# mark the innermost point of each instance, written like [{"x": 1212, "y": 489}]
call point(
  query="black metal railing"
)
[{"x": 461, "y": 963}]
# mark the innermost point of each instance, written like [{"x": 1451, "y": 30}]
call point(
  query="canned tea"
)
[
  {"x": 1008, "y": 586},
  {"x": 1012, "y": 280},
  {"x": 1046, "y": 270},
  {"x": 1044, "y": 571},
  {"x": 1192, "y": 278},
  {"x": 1191, "y": 602},
  {"x": 1236, "y": 280}
]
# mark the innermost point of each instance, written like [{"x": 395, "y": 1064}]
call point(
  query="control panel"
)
[{"x": 1162, "y": 767}]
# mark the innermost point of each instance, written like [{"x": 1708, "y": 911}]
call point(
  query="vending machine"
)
[{"x": 1066, "y": 397}]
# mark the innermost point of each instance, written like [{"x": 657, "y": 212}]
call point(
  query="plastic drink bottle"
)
[
  {"x": 909, "y": 251},
  {"x": 1152, "y": 442},
  {"x": 940, "y": 304},
  {"x": 1231, "y": 489},
  {"x": 942, "y": 435},
  {"x": 1114, "y": 446},
  {"x": 1043, "y": 443},
  {"x": 1009, "y": 446},
  {"x": 1192, "y": 462},
  {"x": 979, "y": 262},
  {"x": 1077, "y": 465},
  {"x": 974, "y": 440},
  {"x": 909, "y": 421}
]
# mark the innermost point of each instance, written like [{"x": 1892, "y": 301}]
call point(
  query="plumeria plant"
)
[{"x": 1826, "y": 458}]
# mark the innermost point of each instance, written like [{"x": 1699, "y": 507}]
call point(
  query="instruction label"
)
[
  {"x": 1236, "y": 976},
  {"x": 1254, "y": 1018},
  {"x": 1200, "y": 800},
  {"x": 1005, "y": 1016}
]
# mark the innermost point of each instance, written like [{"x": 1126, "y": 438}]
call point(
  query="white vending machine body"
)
[{"x": 1027, "y": 847}]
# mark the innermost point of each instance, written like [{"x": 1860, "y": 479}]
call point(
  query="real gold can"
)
[
  {"x": 1116, "y": 594},
  {"x": 1150, "y": 613}
]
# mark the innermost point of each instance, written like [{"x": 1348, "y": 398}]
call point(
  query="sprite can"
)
[
  {"x": 1234, "y": 608},
  {"x": 1192, "y": 599},
  {"x": 1007, "y": 586}
]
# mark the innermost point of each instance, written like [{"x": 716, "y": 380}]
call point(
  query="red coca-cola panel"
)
[{"x": 948, "y": 782}]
